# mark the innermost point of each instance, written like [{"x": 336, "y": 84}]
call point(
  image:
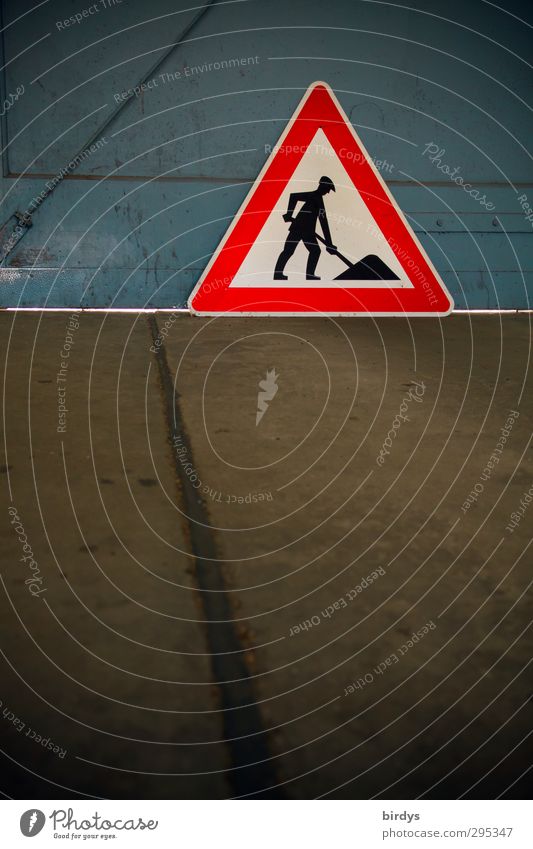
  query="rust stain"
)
[{"x": 30, "y": 256}]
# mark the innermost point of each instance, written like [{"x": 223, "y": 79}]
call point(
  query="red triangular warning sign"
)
[{"x": 320, "y": 233}]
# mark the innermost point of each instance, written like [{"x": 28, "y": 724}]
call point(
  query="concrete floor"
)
[{"x": 180, "y": 545}]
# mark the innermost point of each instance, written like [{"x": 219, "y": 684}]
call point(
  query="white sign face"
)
[{"x": 353, "y": 230}]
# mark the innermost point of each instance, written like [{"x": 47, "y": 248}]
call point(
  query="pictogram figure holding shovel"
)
[{"x": 303, "y": 228}]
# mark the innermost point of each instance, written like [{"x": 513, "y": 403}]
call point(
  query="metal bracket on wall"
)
[{"x": 18, "y": 224}]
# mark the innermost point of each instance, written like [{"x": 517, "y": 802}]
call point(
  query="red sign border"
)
[{"x": 212, "y": 295}]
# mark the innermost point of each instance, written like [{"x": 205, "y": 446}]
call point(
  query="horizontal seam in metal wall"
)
[
  {"x": 70, "y": 270},
  {"x": 217, "y": 179}
]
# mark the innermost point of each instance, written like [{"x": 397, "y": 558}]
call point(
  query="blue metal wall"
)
[{"x": 136, "y": 222}]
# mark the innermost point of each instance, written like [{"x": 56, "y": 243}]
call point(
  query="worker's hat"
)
[{"x": 327, "y": 181}]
